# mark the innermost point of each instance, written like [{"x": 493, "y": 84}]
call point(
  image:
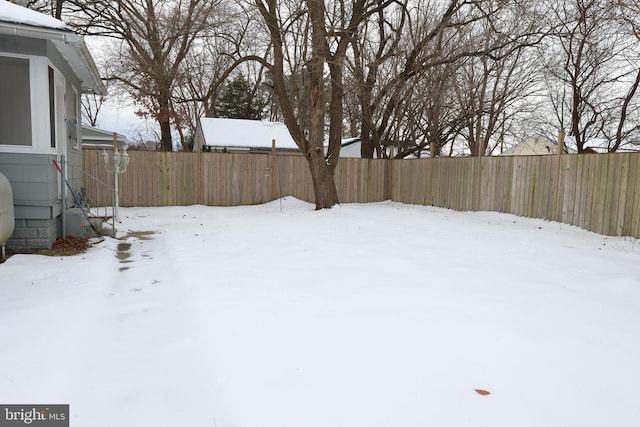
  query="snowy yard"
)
[{"x": 379, "y": 315}]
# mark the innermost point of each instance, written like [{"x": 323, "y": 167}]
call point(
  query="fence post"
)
[
  {"x": 477, "y": 184},
  {"x": 273, "y": 170},
  {"x": 388, "y": 175},
  {"x": 556, "y": 186},
  {"x": 199, "y": 183}
]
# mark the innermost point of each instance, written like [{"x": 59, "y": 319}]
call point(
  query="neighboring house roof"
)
[
  {"x": 599, "y": 145},
  {"x": 19, "y": 21},
  {"x": 257, "y": 135},
  {"x": 533, "y": 146},
  {"x": 244, "y": 134},
  {"x": 542, "y": 145},
  {"x": 351, "y": 147},
  {"x": 93, "y": 137}
]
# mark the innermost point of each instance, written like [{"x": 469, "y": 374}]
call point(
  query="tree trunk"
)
[
  {"x": 324, "y": 186},
  {"x": 312, "y": 146},
  {"x": 165, "y": 135},
  {"x": 164, "y": 120},
  {"x": 58, "y": 10},
  {"x": 366, "y": 144}
]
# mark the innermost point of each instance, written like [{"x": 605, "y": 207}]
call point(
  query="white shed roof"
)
[{"x": 243, "y": 133}]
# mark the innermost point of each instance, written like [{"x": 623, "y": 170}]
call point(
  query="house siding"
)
[
  {"x": 34, "y": 179},
  {"x": 74, "y": 172},
  {"x": 35, "y": 195},
  {"x": 23, "y": 45}
]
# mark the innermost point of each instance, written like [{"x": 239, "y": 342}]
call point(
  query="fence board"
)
[
  {"x": 634, "y": 215},
  {"x": 532, "y": 188},
  {"x": 587, "y": 193},
  {"x": 443, "y": 182},
  {"x": 618, "y": 191},
  {"x": 612, "y": 181},
  {"x": 547, "y": 182},
  {"x": 567, "y": 190},
  {"x": 598, "y": 186},
  {"x": 581, "y": 191},
  {"x": 451, "y": 185},
  {"x": 515, "y": 186},
  {"x": 496, "y": 184},
  {"x": 531, "y": 185},
  {"x": 539, "y": 193},
  {"x": 521, "y": 180},
  {"x": 507, "y": 177}
]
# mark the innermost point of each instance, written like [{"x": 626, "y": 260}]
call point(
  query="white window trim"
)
[
  {"x": 76, "y": 100},
  {"x": 8, "y": 148},
  {"x": 39, "y": 98},
  {"x": 58, "y": 79}
]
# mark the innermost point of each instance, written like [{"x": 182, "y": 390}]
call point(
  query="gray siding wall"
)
[
  {"x": 74, "y": 142},
  {"x": 74, "y": 172},
  {"x": 23, "y": 45},
  {"x": 35, "y": 195},
  {"x": 33, "y": 177}
]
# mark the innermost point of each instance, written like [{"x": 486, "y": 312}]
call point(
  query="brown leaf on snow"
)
[{"x": 482, "y": 392}]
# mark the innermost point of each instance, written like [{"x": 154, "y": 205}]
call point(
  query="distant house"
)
[
  {"x": 254, "y": 136},
  {"x": 243, "y": 136},
  {"x": 540, "y": 145},
  {"x": 535, "y": 146},
  {"x": 44, "y": 68},
  {"x": 98, "y": 138},
  {"x": 599, "y": 145},
  {"x": 351, "y": 147}
]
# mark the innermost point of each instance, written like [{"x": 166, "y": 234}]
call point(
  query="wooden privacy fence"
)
[
  {"x": 597, "y": 192},
  {"x": 218, "y": 179}
]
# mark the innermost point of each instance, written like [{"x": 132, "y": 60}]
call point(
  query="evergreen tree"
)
[{"x": 239, "y": 100}]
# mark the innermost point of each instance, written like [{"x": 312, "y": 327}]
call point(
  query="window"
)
[{"x": 15, "y": 102}]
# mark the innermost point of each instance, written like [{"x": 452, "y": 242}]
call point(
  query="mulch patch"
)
[
  {"x": 69, "y": 246},
  {"x": 61, "y": 247}
]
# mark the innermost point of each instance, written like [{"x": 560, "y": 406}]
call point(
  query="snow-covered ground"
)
[{"x": 378, "y": 315}]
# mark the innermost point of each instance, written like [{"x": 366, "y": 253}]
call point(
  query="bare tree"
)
[
  {"x": 494, "y": 89},
  {"x": 626, "y": 132},
  {"x": 594, "y": 83},
  {"x": 441, "y": 117},
  {"x": 326, "y": 34},
  {"x": 218, "y": 54},
  {"x": 152, "y": 40},
  {"x": 427, "y": 42},
  {"x": 211, "y": 60},
  {"x": 91, "y": 106},
  {"x": 374, "y": 50}
]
